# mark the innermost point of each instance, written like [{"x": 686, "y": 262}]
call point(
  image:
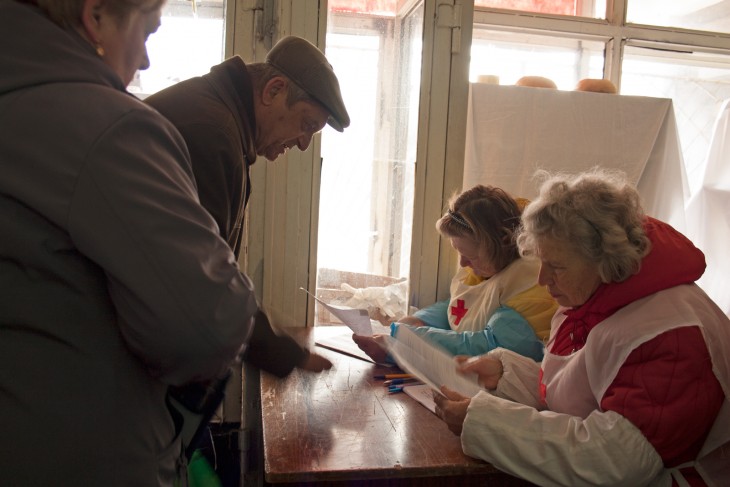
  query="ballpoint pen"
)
[
  {"x": 393, "y": 376},
  {"x": 406, "y": 380}
]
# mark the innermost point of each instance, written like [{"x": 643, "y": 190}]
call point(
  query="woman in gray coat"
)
[{"x": 115, "y": 282}]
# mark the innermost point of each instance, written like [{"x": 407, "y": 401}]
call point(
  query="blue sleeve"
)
[
  {"x": 512, "y": 331},
  {"x": 435, "y": 315},
  {"x": 506, "y": 328}
]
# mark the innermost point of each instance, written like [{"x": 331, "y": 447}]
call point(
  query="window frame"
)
[{"x": 614, "y": 30}]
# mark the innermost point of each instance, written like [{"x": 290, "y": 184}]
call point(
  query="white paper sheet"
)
[
  {"x": 423, "y": 393},
  {"x": 429, "y": 363},
  {"x": 357, "y": 319}
]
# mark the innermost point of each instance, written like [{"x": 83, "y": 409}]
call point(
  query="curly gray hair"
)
[{"x": 598, "y": 213}]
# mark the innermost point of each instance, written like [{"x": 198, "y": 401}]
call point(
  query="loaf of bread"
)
[
  {"x": 536, "y": 82},
  {"x": 596, "y": 85}
]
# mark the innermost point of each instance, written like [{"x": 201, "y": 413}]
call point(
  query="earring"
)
[{"x": 99, "y": 50}]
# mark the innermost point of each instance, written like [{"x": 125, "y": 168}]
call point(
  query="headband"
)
[{"x": 458, "y": 219}]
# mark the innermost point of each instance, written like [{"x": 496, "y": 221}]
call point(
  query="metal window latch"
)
[
  {"x": 449, "y": 16},
  {"x": 265, "y": 15}
]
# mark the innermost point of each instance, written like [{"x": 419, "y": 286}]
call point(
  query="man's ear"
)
[
  {"x": 91, "y": 20},
  {"x": 276, "y": 86}
]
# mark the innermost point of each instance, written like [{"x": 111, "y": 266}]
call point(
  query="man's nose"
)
[
  {"x": 303, "y": 142},
  {"x": 145, "y": 62}
]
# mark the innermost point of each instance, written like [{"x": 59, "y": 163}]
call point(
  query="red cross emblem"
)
[{"x": 459, "y": 311}]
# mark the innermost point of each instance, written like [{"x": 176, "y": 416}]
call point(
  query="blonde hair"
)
[
  {"x": 487, "y": 215},
  {"x": 597, "y": 213}
]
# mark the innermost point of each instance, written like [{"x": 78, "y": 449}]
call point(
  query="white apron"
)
[
  {"x": 576, "y": 383},
  {"x": 471, "y": 307}
]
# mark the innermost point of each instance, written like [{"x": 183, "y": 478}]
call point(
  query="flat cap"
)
[{"x": 305, "y": 65}]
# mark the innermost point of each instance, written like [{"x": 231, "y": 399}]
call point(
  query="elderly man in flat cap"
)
[
  {"x": 240, "y": 111},
  {"x": 231, "y": 116}
]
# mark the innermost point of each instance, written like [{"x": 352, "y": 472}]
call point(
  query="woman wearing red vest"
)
[{"x": 634, "y": 386}]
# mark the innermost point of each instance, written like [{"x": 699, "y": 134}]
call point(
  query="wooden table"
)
[{"x": 342, "y": 428}]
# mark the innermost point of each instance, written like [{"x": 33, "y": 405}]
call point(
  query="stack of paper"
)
[{"x": 430, "y": 363}]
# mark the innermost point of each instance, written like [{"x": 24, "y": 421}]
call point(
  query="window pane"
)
[
  {"x": 189, "y": 41},
  {"x": 697, "y": 83},
  {"x": 511, "y": 55},
  {"x": 367, "y": 183},
  {"x": 344, "y": 232},
  {"x": 583, "y": 8},
  {"x": 711, "y": 15}
]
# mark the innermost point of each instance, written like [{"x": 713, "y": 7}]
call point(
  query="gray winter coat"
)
[{"x": 114, "y": 282}]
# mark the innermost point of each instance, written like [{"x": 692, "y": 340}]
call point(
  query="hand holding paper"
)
[
  {"x": 357, "y": 319},
  {"x": 452, "y": 408},
  {"x": 487, "y": 369},
  {"x": 429, "y": 363},
  {"x": 374, "y": 346}
]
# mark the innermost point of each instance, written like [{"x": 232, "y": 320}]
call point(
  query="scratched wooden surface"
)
[{"x": 341, "y": 427}]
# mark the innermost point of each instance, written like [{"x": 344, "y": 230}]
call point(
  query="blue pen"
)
[
  {"x": 392, "y": 390},
  {"x": 400, "y": 381}
]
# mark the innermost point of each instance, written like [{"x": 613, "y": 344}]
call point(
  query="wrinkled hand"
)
[
  {"x": 488, "y": 370},
  {"x": 315, "y": 363},
  {"x": 451, "y": 407},
  {"x": 374, "y": 346}
]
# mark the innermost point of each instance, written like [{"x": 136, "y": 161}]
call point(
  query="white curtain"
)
[
  {"x": 514, "y": 130},
  {"x": 708, "y": 214}
]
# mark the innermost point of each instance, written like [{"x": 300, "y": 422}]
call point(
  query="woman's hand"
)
[
  {"x": 374, "y": 346},
  {"x": 315, "y": 363},
  {"x": 451, "y": 407},
  {"x": 488, "y": 370}
]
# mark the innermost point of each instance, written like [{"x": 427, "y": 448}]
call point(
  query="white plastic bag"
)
[{"x": 387, "y": 303}]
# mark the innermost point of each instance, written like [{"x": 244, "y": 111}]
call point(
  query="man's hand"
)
[
  {"x": 315, "y": 363},
  {"x": 451, "y": 407},
  {"x": 374, "y": 346},
  {"x": 488, "y": 370}
]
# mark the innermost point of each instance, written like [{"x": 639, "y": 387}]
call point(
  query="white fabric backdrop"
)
[
  {"x": 708, "y": 214},
  {"x": 514, "y": 130}
]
